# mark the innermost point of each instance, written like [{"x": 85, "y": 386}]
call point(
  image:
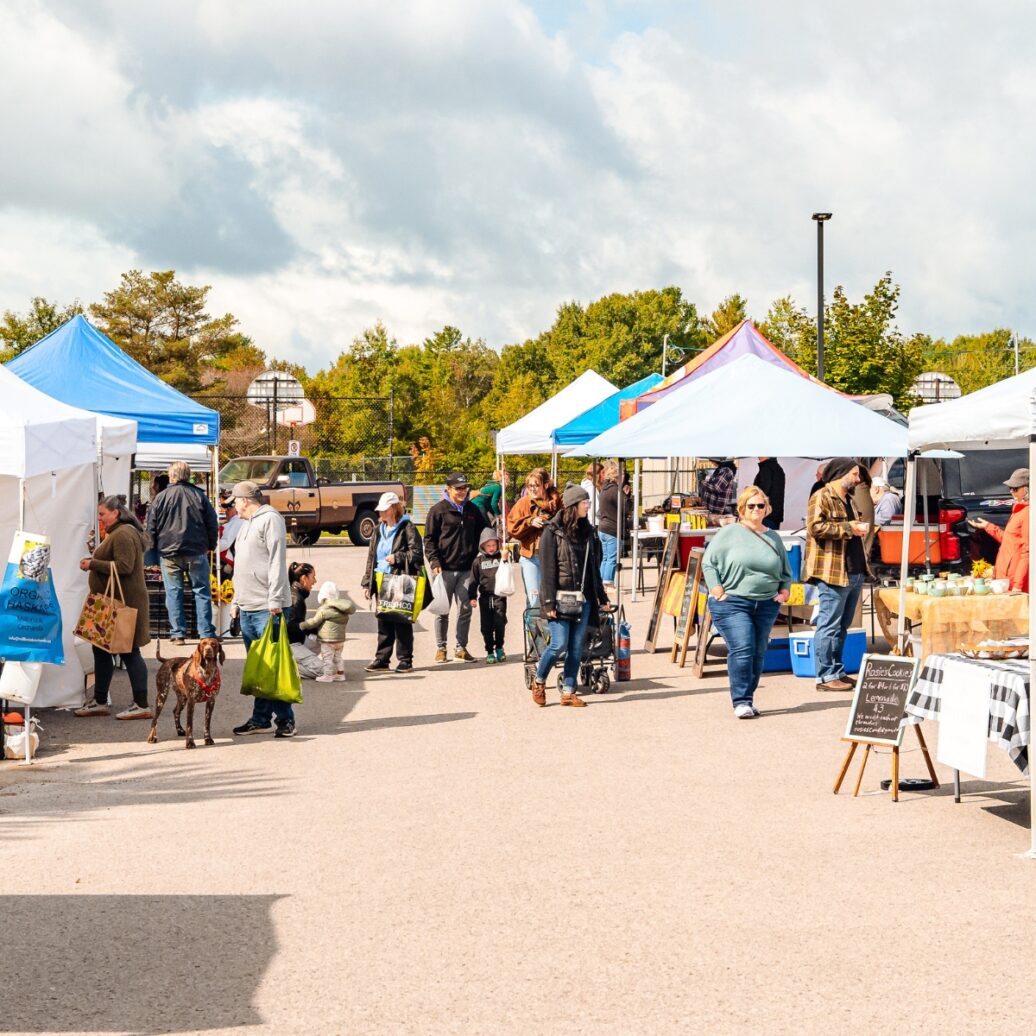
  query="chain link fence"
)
[{"x": 351, "y": 438}]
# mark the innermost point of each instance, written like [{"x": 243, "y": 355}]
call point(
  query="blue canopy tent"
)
[
  {"x": 80, "y": 366},
  {"x": 605, "y": 415}
]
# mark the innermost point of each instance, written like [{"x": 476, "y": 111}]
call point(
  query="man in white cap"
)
[
  {"x": 261, "y": 590},
  {"x": 451, "y": 532}
]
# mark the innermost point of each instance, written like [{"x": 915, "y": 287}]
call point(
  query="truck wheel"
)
[{"x": 361, "y": 532}]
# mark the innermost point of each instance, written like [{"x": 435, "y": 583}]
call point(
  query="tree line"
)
[{"x": 453, "y": 391}]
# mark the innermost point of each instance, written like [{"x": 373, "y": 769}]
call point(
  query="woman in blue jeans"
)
[
  {"x": 747, "y": 571},
  {"x": 570, "y": 560}
]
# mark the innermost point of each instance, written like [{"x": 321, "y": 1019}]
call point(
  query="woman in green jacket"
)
[{"x": 749, "y": 578}]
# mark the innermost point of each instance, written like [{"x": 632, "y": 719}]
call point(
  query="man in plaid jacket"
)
[
  {"x": 720, "y": 489},
  {"x": 836, "y": 564}
]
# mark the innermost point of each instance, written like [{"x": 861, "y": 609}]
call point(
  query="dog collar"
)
[{"x": 208, "y": 690}]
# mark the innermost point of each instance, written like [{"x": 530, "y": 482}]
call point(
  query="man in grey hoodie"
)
[{"x": 260, "y": 590}]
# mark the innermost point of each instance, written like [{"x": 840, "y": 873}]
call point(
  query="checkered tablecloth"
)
[{"x": 1008, "y": 700}]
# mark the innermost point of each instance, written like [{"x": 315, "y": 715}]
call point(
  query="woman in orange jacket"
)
[
  {"x": 525, "y": 521},
  {"x": 1012, "y": 558}
]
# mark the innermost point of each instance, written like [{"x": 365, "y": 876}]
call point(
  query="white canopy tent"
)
[
  {"x": 534, "y": 433},
  {"x": 48, "y": 462},
  {"x": 751, "y": 408},
  {"x": 999, "y": 417}
]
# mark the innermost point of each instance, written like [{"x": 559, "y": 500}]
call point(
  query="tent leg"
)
[
  {"x": 218, "y": 603},
  {"x": 636, "y": 523},
  {"x": 909, "y": 507},
  {"x": 924, "y": 505},
  {"x": 1031, "y": 854},
  {"x": 554, "y": 464}
]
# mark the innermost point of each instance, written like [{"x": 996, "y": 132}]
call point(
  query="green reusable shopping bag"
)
[{"x": 270, "y": 669}]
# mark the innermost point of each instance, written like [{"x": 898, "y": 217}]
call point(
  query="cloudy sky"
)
[{"x": 329, "y": 163}]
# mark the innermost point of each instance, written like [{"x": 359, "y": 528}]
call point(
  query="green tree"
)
[
  {"x": 163, "y": 325},
  {"x": 730, "y": 312},
  {"x": 864, "y": 351},
  {"x": 975, "y": 361},
  {"x": 18, "y": 331},
  {"x": 791, "y": 329}
]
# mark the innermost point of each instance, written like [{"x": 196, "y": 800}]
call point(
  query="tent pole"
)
[
  {"x": 909, "y": 507},
  {"x": 924, "y": 505},
  {"x": 554, "y": 463},
  {"x": 1031, "y": 854},
  {"x": 27, "y": 727},
  {"x": 215, "y": 554},
  {"x": 636, "y": 524}
]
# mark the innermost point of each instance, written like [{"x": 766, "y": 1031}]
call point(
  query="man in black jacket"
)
[
  {"x": 770, "y": 480},
  {"x": 184, "y": 528},
  {"x": 451, "y": 532}
]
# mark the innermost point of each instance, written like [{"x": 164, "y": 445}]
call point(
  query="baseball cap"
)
[
  {"x": 246, "y": 490},
  {"x": 457, "y": 479},
  {"x": 1019, "y": 477},
  {"x": 386, "y": 501}
]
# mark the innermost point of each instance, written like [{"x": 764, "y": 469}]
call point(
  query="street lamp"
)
[
  {"x": 668, "y": 351},
  {"x": 821, "y": 218}
]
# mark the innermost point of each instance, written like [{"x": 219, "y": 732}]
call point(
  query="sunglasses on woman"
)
[{"x": 755, "y": 507}]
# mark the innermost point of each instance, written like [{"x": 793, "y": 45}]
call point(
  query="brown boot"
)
[
  {"x": 539, "y": 693},
  {"x": 573, "y": 699}
]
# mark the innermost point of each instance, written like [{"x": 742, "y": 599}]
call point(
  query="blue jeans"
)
[
  {"x": 531, "y": 579},
  {"x": 837, "y": 608},
  {"x": 252, "y": 626},
  {"x": 566, "y": 635},
  {"x": 609, "y": 551},
  {"x": 745, "y": 627},
  {"x": 197, "y": 568}
]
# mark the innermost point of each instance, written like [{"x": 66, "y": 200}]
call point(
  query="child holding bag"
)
[{"x": 492, "y": 608}]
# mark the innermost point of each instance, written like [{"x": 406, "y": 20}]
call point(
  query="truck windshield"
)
[{"x": 257, "y": 469}]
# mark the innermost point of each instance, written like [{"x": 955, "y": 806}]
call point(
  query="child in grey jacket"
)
[{"x": 329, "y": 622}]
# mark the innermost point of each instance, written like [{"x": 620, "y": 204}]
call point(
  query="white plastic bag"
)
[
  {"x": 440, "y": 603},
  {"x": 504, "y": 584},
  {"x": 19, "y": 682},
  {"x": 14, "y": 740}
]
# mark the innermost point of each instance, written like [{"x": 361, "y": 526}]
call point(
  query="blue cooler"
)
[
  {"x": 795, "y": 561},
  {"x": 804, "y": 662},
  {"x": 778, "y": 656}
]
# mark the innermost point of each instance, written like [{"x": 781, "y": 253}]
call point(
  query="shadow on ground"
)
[{"x": 141, "y": 964}]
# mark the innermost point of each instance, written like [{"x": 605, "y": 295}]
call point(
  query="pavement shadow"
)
[
  {"x": 811, "y": 706},
  {"x": 355, "y": 727},
  {"x": 140, "y": 964}
]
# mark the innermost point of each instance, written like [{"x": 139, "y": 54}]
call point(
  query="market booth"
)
[
  {"x": 1001, "y": 416},
  {"x": 82, "y": 367},
  {"x": 49, "y": 470}
]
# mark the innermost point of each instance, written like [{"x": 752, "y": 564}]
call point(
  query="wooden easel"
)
[
  {"x": 868, "y": 745},
  {"x": 688, "y": 617}
]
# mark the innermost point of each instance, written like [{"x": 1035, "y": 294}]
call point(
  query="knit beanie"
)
[
  {"x": 838, "y": 467},
  {"x": 328, "y": 592},
  {"x": 574, "y": 494}
]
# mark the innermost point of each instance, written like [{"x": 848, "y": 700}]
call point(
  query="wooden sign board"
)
[
  {"x": 686, "y": 618},
  {"x": 670, "y": 554},
  {"x": 879, "y": 704},
  {"x": 882, "y": 688}
]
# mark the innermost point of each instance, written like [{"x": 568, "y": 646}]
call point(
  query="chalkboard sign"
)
[
  {"x": 670, "y": 554},
  {"x": 882, "y": 688},
  {"x": 685, "y": 620}
]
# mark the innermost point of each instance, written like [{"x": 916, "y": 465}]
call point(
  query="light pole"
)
[
  {"x": 675, "y": 351},
  {"x": 821, "y": 218}
]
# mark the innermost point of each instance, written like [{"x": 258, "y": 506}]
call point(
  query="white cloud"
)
[{"x": 327, "y": 165}]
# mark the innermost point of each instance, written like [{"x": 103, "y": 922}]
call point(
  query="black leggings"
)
[{"x": 136, "y": 669}]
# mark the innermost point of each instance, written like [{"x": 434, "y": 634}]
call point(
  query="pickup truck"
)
[{"x": 311, "y": 505}]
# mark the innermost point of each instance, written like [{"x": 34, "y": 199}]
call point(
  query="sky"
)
[{"x": 328, "y": 164}]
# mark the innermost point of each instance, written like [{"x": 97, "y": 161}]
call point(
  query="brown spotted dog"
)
[{"x": 195, "y": 678}]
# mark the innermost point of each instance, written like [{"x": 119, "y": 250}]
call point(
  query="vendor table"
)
[
  {"x": 1009, "y": 707},
  {"x": 947, "y": 621}
]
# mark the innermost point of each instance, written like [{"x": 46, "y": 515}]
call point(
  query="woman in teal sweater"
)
[{"x": 749, "y": 578}]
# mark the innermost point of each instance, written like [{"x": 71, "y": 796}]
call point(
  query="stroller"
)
[{"x": 598, "y": 650}]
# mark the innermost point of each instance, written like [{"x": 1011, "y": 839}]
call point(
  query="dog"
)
[{"x": 195, "y": 679}]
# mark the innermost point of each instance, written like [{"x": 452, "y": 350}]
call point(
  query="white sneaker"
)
[
  {"x": 325, "y": 679},
  {"x": 744, "y": 711},
  {"x": 93, "y": 708},
  {"x": 134, "y": 712}
]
